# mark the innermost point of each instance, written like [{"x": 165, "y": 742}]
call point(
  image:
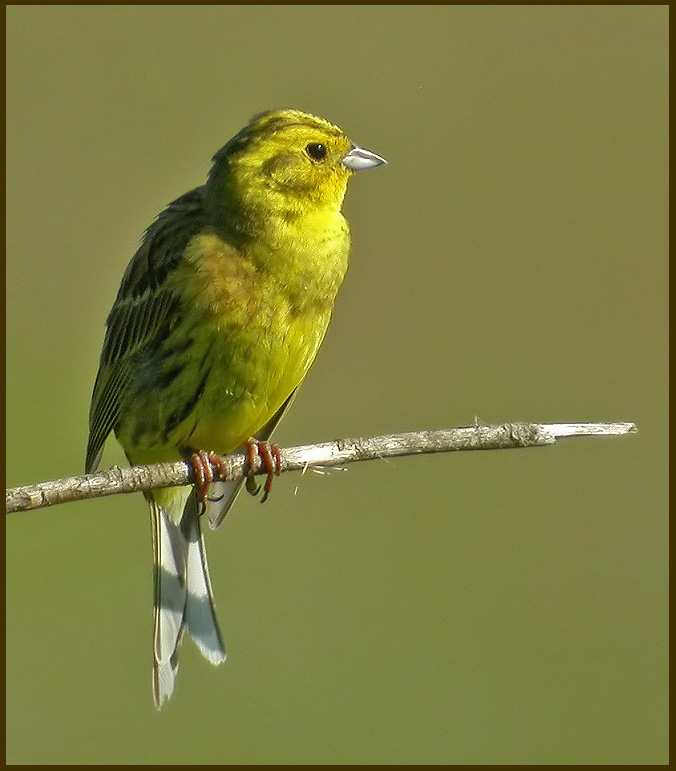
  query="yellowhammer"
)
[{"x": 218, "y": 318}]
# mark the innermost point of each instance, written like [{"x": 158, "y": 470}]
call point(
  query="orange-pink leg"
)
[
  {"x": 203, "y": 465},
  {"x": 271, "y": 460}
]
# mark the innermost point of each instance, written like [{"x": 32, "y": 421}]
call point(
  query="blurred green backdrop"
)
[{"x": 509, "y": 263}]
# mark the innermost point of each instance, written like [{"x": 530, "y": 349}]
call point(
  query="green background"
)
[{"x": 509, "y": 263}]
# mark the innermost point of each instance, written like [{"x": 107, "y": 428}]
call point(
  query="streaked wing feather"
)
[{"x": 144, "y": 306}]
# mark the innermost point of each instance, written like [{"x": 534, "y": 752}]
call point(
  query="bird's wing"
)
[{"x": 144, "y": 309}]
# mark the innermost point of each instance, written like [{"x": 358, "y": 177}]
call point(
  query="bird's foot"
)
[
  {"x": 203, "y": 465},
  {"x": 271, "y": 461}
]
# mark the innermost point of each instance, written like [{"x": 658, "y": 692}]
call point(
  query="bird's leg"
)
[
  {"x": 271, "y": 461},
  {"x": 203, "y": 465}
]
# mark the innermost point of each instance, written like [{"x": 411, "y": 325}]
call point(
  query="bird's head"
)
[{"x": 287, "y": 157}]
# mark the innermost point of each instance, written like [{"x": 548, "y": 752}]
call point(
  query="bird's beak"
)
[{"x": 358, "y": 159}]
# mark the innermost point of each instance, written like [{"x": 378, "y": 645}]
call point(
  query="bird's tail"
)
[{"x": 183, "y": 595}]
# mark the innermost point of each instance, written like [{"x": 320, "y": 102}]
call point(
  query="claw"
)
[
  {"x": 270, "y": 459},
  {"x": 252, "y": 487},
  {"x": 203, "y": 465}
]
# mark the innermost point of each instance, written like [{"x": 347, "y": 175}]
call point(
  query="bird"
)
[{"x": 218, "y": 317}]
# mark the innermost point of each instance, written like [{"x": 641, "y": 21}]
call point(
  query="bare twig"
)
[{"x": 337, "y": 453}]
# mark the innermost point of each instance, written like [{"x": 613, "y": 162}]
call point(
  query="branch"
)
[{"x": 115, "y": 480}]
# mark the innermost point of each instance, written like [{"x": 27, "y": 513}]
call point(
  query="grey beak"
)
[{"x": 358, "y": 159}]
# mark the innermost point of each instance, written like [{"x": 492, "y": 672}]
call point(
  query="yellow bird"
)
[{"x": 218, "y": 318}]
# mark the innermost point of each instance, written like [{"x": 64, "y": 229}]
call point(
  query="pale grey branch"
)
[{"x": 117, "y": 480}]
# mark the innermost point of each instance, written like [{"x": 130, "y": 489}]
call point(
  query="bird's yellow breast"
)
[
  {"x": 268, "y": 311},
  {"x": 255, "y": 319}
]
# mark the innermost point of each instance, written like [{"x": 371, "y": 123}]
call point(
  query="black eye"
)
[{"x": 316, "y": 151}]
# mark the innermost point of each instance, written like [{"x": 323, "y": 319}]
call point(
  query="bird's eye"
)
[{"x": 316, "y": 151}]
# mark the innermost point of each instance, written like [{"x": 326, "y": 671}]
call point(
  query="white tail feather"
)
[
  {"x": 183, "y": 596},
  {"x": 221, "y": 497},
  {"x": 200, "y": 616}
]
